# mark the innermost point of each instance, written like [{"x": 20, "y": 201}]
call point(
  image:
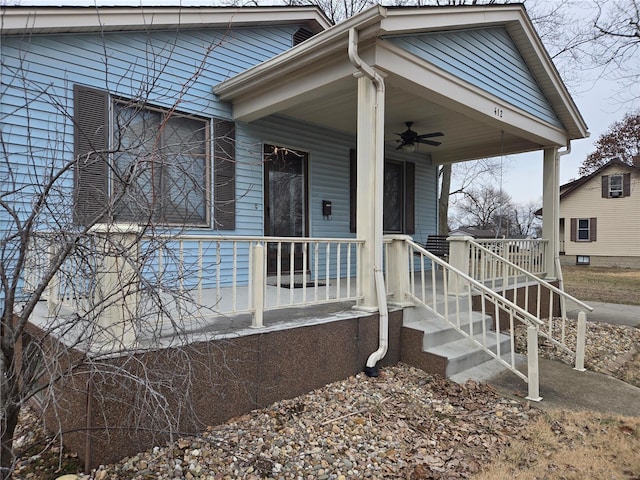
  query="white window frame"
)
[
  {"x": 618, "y": 190},
  {"x": 583, "y": 260},
  {"x": 582, "y": 229}
]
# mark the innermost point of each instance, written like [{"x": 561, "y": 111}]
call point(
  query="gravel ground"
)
[
  {"x": 404, "y": 424},
  {"x": 609, "y": 349}
]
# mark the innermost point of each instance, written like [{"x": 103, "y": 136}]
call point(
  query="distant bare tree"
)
[
  {"x": 483, "y": 207},
  {"x": 616, "y": 44},
  {"x": 523, "y": 220},
  {"x": 621, "y": 141}
]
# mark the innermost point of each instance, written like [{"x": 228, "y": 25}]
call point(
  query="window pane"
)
[
  {"x": 583, "y": 229},
  {"x": 135, "y": 132},
  {"x": 615, "y": 183},
  {"x": 184, "y": 190},
  {"x": 393, "y": 197},
  {"x": 184, "y": 180},
  {"x": 160, "y": 168}
]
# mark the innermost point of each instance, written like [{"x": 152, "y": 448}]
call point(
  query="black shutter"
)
[
  {"x": 409, "y": 198},
  {"x": 90, "y": 144},
  {"x": 574, "y": 229},
  {"x": 353, "y": 189},
  {"x": 593, "y": 229},
  {"x": 224, "y": 175},
  {"x": 626, "y": 185},
  {"x": 605, "y": 186}
]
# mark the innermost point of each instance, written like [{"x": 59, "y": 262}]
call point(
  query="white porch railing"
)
[
  {"x": 528, "y": 254},
  {"x": 205, "y": 278},
  {"x": 199, "y": 277},
  {"x": 537, "y": 296},
  {"x": 453, "y": 296}
]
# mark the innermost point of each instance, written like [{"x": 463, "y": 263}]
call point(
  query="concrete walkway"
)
[
  {"x": 611, "y": 313},
  {"x": 563, "y": 387}
]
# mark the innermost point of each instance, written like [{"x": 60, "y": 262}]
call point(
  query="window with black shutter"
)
[{"x": 157, "y": 168}]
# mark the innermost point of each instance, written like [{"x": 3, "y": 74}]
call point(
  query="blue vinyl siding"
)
[
  {"x": 36, "y": 112},
  {"x": 36, "y": 86},
  {"x": 38, "y": 75},
  {"x": 486, "y": 58}
]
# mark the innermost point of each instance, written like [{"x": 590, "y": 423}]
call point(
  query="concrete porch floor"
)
[{"x": 223, "y": 314}]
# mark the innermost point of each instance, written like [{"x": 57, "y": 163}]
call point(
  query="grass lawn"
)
[
  {"x": 571, "y": 446},
  {"x": 600, "y": 284},
  {"x": 566, "y": 445}
]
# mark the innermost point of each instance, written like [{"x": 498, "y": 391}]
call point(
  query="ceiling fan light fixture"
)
[{"x": 409, "y": 147}]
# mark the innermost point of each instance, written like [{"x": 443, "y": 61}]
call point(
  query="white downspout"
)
[
  {"x": 556, "y": 252},
  {"x": 383, "y": 334}
]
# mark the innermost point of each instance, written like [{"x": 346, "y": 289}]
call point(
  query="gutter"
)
[
  {"x": 299, "y": 57},
  {"x": 371, "y": 369},
  {"x": 556, "y": 251}
]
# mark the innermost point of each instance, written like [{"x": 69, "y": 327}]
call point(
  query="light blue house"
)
[{"x": 261, "y": 175}]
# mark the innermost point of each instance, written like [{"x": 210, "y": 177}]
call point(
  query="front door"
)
[{"x": 286, "y": 212}]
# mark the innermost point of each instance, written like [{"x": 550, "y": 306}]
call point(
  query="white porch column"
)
[
  {"x": 117, "y": 293},
  {"x": 459, "y": 248},
  {"x": 551, "y": 208},
  {"x": 369, "y": 211}
]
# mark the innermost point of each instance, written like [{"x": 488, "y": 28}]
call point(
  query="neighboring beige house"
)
[{"x": 600, "y": 217}]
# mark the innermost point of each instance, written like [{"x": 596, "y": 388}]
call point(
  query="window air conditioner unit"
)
[{"x": 615, "y": 194}]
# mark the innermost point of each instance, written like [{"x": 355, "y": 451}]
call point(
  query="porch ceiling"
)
[{"x": 465, "y": 137}]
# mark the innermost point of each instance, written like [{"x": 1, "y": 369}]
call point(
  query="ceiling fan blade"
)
[
  {"x": 399, "y": 147},
  {"x": 429, "y": 135},
  {"x": 428, "y": 142}
]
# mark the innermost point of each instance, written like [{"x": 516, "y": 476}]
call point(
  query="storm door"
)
[{"x": 286, "y": 209}]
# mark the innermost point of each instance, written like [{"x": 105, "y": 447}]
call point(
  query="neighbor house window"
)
[
  {"x": 583, "y": 259},
  {"x": 616, "y": 186},
  {"x": 583, "y": 229},
  {"x": 140, "y": 163}
]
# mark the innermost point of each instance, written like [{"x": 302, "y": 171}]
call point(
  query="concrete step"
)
[
  {"x": 438, "y": 332},
  {"x": 450, "y": 351},
  {"x": 463, "y": 354},
  {"x": 489, "y": 369}
]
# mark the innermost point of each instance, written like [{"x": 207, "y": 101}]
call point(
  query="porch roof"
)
[{"x": 314, "y": 82}]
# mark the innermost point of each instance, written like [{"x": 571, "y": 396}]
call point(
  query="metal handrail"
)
[{"x": 533, "y": 277}]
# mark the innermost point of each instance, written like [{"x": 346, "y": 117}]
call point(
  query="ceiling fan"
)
[{"x": 409, "y": 139}]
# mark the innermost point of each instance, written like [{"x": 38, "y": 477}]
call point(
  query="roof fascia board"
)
[
  {"x": 322, "y": 45},
  {"x": 20, "y": 20},
  {"x": 399, "y": 22}
]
